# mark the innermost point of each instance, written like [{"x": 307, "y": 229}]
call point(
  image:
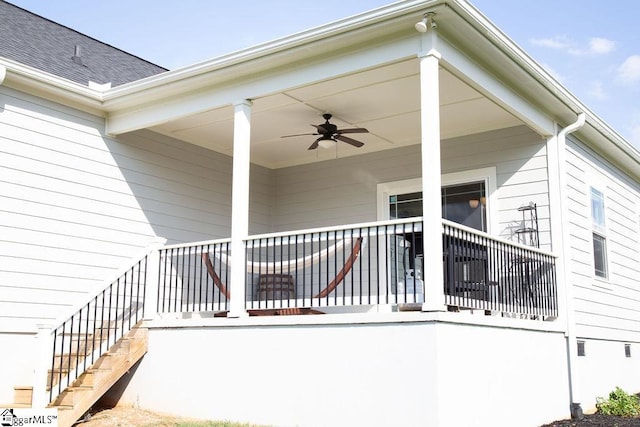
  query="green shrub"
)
[{"x": 620, "y": 403}]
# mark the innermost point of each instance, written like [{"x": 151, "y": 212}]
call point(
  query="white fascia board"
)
[
  {"x": 614, "y": 143},
  {"x": 492, "y": 88},
  {"x": 177, "y": 106},
  {"x": 49, "y": 86},
  {"x": 502, "y": 42},
  {"x": 410, "y": 9}
]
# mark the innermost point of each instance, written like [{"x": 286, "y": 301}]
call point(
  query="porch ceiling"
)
[{"x": 385, "y": 100}]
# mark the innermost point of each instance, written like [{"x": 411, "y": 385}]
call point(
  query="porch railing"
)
[
  {"x": 80, "y": 340},
  {"x": 488, "y": 273},
  {"x": 343, "y": 266},
  {"x": 360, "y": 265},
  {"x": 194, "y": 277}
]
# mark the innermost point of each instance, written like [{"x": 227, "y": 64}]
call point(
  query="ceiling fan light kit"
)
[
  {"x": 330, "y": 134},
  {"x": 326, "y": 143}
]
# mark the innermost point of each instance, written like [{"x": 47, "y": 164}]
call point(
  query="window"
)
[
  {"x": 461, "y": 203},
  {"x": 466, "y": 204},
  {"x": 581, "y": 348},
  {"x": 406, "y": 205},
  {"x": 599, "y": 255},
  {"x": 468, "y": 198},
  {"x": 599, "y": 234},
  {"x": 597, "y": 209}
]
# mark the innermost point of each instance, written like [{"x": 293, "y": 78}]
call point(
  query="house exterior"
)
[{"x": 480, "y": 251}]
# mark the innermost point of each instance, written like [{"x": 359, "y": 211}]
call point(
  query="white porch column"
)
[
  {"x": 431, "y": 181},
  {"x": 240, "y": 206}
]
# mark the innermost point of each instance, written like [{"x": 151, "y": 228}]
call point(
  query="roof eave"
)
[
  {"x": 294, "y": 48},
  {"x": 285, "y": 49},
  {"x": 31, "y": 80},
  {"x": 618, "y": 148}
]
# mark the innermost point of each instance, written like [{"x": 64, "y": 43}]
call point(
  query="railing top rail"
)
[
  {"x": 200, "y": 243},
  {"x": 331, "y": 229},
  {"x": 336, "y": 228},
  {"x": 496, "y": 238}
]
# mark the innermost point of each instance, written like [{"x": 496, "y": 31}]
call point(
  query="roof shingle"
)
[{"x": 43, "y": 44}]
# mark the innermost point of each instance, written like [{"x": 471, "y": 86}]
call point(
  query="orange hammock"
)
[{"x": 323, "y": 293}]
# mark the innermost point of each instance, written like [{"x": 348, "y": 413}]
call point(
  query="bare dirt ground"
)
[
  {"x": 129, "y": 417},
  {"x": 123, "y": 416},
  {"x": 597, "y": 420}
]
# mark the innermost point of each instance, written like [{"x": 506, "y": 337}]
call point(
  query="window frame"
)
[
  {"x": 488, "y": 175},
  {"x": 599, "y": 231}
]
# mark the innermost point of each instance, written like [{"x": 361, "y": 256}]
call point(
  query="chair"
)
[{"x": 465, "y": 269}]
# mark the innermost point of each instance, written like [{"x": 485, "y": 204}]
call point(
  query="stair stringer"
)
[{"x": 78, "y": 398}]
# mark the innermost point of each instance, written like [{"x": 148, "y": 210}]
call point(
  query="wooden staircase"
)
[
  {"x": 78, "y": 398},
  {"x": 84, "y": 392}
]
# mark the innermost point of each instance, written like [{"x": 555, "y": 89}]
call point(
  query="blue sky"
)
[{"x": 592, "y": 48}]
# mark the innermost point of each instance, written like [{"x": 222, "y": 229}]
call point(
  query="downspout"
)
[
  {"x": 3, "y": 73},
  {"x": 570, "y": 334}
]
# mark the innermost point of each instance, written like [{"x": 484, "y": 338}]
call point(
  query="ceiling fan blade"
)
[
  {"x": 353, "y": 130},
  {"x": 299, "y": 134},
  {"x": 349, "y": 140},
  {"x": 315, "y": 144}
]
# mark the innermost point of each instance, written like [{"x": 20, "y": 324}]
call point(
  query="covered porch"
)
[{"x": 303, "y": 225}]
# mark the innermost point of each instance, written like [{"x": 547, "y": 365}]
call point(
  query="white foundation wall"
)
[
  {"x": 349, "y": 372},
  {"x": 605, "y": 367},
  {"x": 19, "y": 355},
  {"x": 492, "y": 376}
]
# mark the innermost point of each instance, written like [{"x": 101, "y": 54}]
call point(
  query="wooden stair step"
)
[
  {"x": 23, "y": 395},
  {"x": 121, "y": 346},
  {"x": 65, "y": 359},
  {"x": 90, "y": 340},
  {"x": 107, "y": 360},
  {"x": 72, "y": 395},
  {"x": 59, "y": 369},
  {"x": 88, "y": 378}
]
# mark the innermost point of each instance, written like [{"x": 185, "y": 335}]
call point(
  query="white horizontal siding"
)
[
  {"x": 260, "y": 200},
  {"x": 339, "y": 191},
  {"x": 610, "y": 308},
  {"x": 519, "y": 156},
  {"x": 76, "y": 205}
]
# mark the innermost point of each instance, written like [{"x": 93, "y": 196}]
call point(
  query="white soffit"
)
[{"x": 385, "y": 100}]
